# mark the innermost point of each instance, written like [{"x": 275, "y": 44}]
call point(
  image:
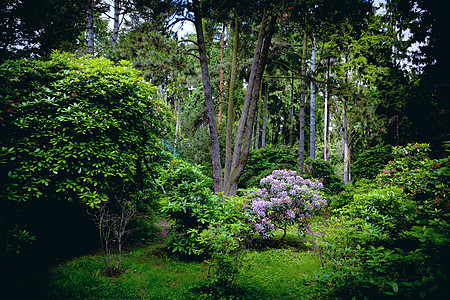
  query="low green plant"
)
[
  {"x": 424, "y": 180},
  {"x": 262, "y": 162},
  {"x": 192, "y": 207},
  {"x": 389, "y": 209},
  {"x": 224, "y": 243},
  {"x": 369, "y": 163},
  {"x": 323, "y": 171}
]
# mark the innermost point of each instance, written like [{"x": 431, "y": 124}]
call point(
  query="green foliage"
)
[
  {"x": 158, "y": 56},
  {"x": 370, "y": 162},
  {"x": 15, "y": 240},
  {"x": 388, "y": 209},
  {"x": 73, "y": 130},
  {"x": 356, "y": 265},
  {"x": 347, "y": 196},
  {"x": 224, "y": 243},
  {"x": 189, "y": 202},
  {"x": 78, "y": 125},
  {"x": 424, "y": 180},
  {"x": 323, "y": 171},
  {"x": 262, "y": 162}
]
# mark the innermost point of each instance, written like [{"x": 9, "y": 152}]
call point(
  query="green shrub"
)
[
  {"x": 370, "y": 162},
  {"x": 424, "y": 180},
  {"x": 74, "y": 132},
  {"x": 341, "y": 244},
  {"x": 323, "y": 171},
  {"x": 388, "y": 209},
  {"x": 192, "y": 207},
  {"x": 262, "y": 162}
]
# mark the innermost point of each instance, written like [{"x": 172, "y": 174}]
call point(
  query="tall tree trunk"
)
[
  {"x": 90, "y": 16},
  {"x": 230, "y": 105},
  {"x": 291, "y": 113},
  {"x": 312, "y": 119},
  {"x": 346, "y": 146},
  {"x": 115, "y": 33},
  {"x": 258, "y": 118},
  {"x": 326, "y": 132},
  {"x": 178, "y": 122},
  {"x": 222, "y": 51},
  {"x": 215, "y": 151},
  {"x": 266, "y": 98},
  {"x": 241, "y": 146},
  {"x": 301, "y": 159}
]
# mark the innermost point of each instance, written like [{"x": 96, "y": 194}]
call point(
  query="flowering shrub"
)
[{"x": 284, "y": 199}]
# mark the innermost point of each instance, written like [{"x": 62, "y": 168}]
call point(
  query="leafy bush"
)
[
  {"x": 284, "y": 199},
  {"x": 370, "y": 162},
  {"x": 351, "y": 189},
  {"x": 262, "y": 162},
  {"x": 341, "y": 245},
  {"x": 356, "y": 265},
  {"x": 424, "y": 180},
  {"x": 323, "y": 171},
  {"x": 388, "y": 209},
  {"x": 224, "y": 241},
  {"x": 192, "y": 206},
  {"x": 74, "y": 132}
]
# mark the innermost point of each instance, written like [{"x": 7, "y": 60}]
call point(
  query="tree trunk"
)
[
  {"x": 266, "y": 98},
  {"x": 346, "y": 147},
  {"x": 258, "y": 118},
  {"x": 291, "y": 123},
  {"x": 222, "y": 51},
  {"x": 301, "y": 159},
  {"x": 230, "y": 110},
  {"x": 242, "y": 147},
  {"x": 312, "y": 119},
  {"x": 178, "y": 122},
  {"x": 326, "y": 134},
  {"x": 90, "y": 16},
  {"x": 217, "y": 169},
  {"x": 115, "y": 33}
]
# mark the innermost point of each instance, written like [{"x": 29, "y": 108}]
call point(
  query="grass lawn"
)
[{"x": 150, "y": 274}]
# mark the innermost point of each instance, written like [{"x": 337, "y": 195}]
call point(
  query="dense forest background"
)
[{"x": 111, "y": 102}]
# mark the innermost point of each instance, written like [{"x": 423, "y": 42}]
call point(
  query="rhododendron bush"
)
[{"x": 284, "y": 199}]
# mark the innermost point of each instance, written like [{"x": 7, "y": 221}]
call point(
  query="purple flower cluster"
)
[{"x": 284, "y": 199}]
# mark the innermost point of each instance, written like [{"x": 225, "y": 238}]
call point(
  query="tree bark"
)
[
  {"x": 326, "y": 134},
  {"x": 178, "y": 122},
  {"x": 346, "y": 147},
  {"x": 215, "y": 151},
  {"x": 241, "y": 146},
  {"x": 291, "y": 113},
  {"x": 90, "y": 16},
  {"x": 222, "y": 51},
  {"x": 301, "y": 159},
  {"x": 312, "y": 119},
  {"x": 266, "y": 98},
  {"x": 258, "y": 118},
  {"x": 230, "y": 105},
  {"x": 115, "y": 33}
]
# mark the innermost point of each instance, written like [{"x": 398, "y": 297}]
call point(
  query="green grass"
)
[
  {"x": 150, "y": 274},
  {"x": 278, "y": 273}
]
